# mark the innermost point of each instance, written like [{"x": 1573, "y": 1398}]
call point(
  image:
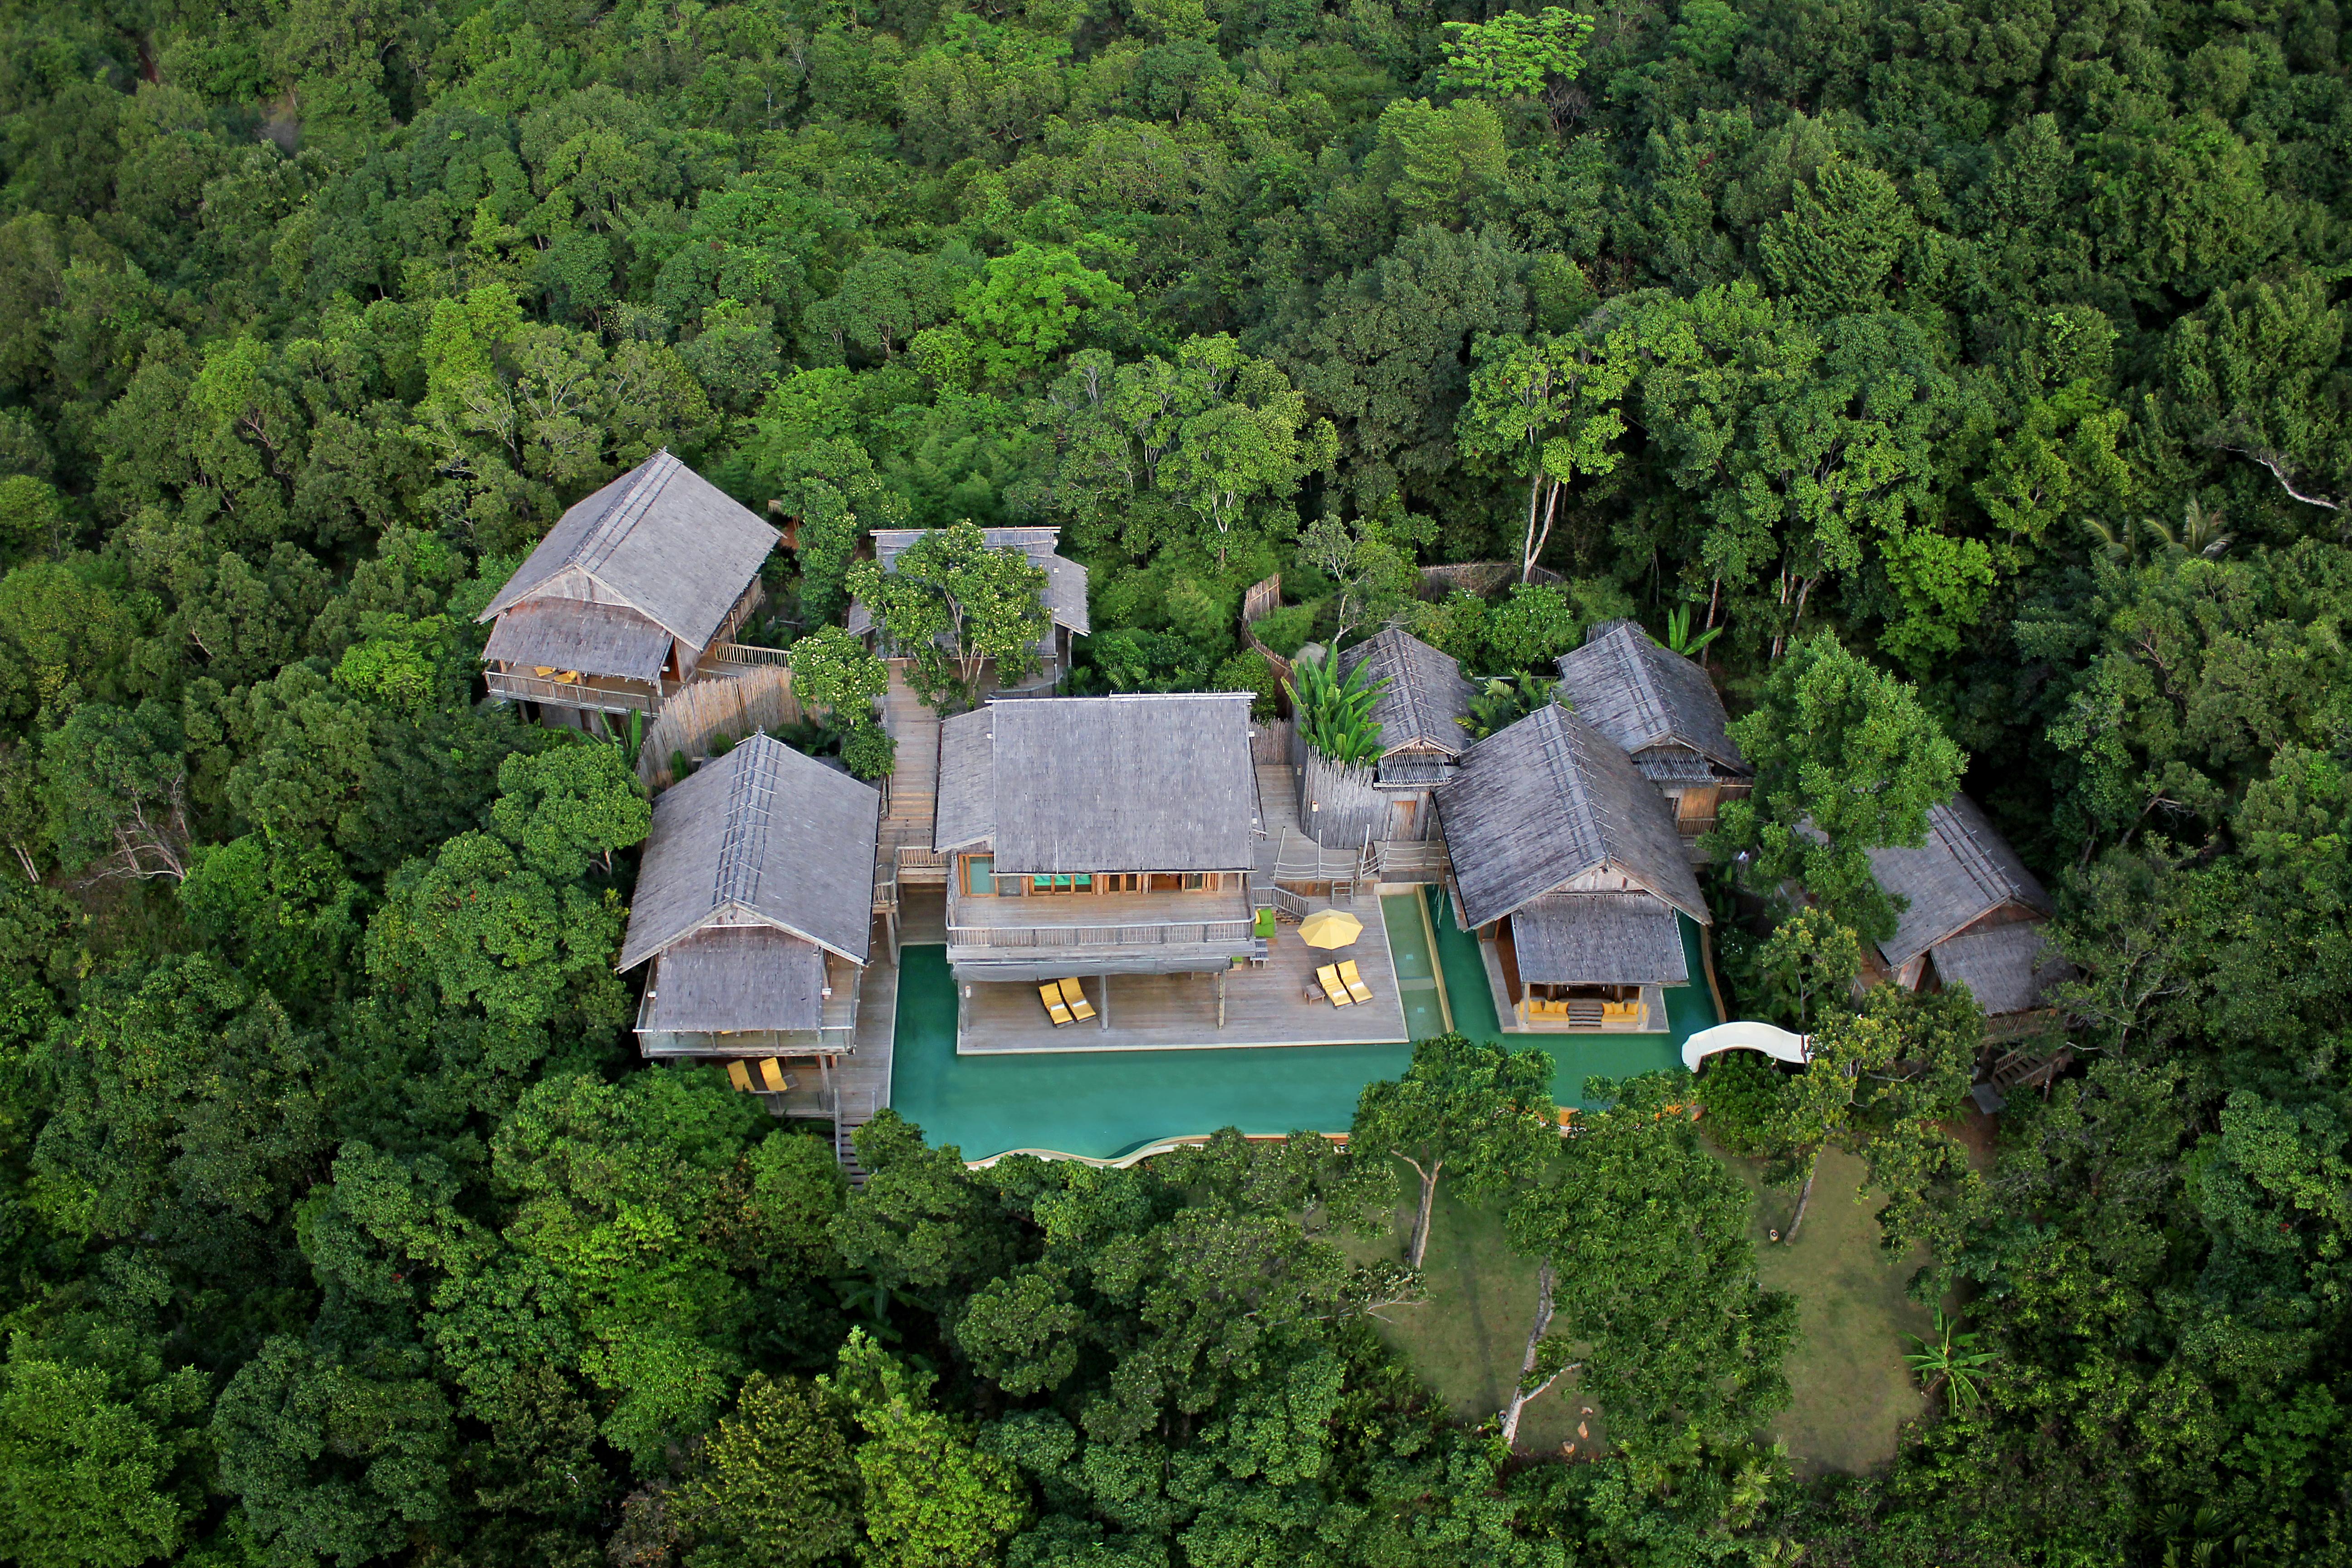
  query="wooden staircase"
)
[{"x": 845, "y": 1123}]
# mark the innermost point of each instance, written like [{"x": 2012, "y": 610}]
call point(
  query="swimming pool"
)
[{"x": 1114, "y": 1104}]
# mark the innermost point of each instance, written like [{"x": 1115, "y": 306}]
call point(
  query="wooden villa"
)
[
  {"x": 632, "y": 594},
  {"x": 1566, "y": 864},
  {"x": 1064, "y": 596},
  {"x": 753, "y": 905},
  {"x": 1973, "y": 915},
  {"x": 1665, "y": 713},
  {"x": 1422, "y": 738}
]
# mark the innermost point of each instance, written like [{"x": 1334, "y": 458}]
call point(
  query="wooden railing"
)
[
  {"x": 569, "y": 693},
  {"x": 1194, "y": 931},
  {"x": 745, "y": 654}
]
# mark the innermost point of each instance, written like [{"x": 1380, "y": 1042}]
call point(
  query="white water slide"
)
[{"x": 1745, "y": 1036}]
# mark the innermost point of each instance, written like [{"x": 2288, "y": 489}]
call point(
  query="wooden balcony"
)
[
  {"x": 1099, "y": 921},
  {"x": 599, "y": 693}
]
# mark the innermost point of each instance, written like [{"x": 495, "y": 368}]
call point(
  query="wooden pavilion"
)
[
  {"x": 632, "y": 594},
  {"x": 1065, "y": 594},
  {"x": 1972, "y": 915},
  {"x": 753, "y": 906},
  {"x": 1663, "y": 711},
  {"x": 1566, "y": 864},
  {"x": 1419, "y": 712},
  {"x": 1091, "y": 836}
]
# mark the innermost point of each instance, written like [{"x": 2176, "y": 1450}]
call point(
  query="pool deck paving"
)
[{"x": 1117, "y": 1106}]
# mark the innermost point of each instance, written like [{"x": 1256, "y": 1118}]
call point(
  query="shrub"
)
[{"x": 1740, "y": 1089}]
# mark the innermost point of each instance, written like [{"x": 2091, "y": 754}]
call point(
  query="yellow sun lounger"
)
[
  {"x": 1333, "y": 987},
  {"x": 1354, "y": 982},
  {"x": 1051, "y": 994},
  {"x": 1075, "y": 995},
  {"x": 772, "y": 1074},
  {"x": 740, "y": 1075}
]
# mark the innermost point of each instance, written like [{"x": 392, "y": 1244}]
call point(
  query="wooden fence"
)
[
  {"x": 1479, "y": 577},
  {"x": 1260, "y": 599},
  {"x": 1337, "y": 806},
  {"x": 1271, "y": 743},
  {"x": 760, "y": 699}
]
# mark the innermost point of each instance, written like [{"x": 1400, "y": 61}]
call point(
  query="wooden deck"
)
[
  {"x": 1652, "y": 1019},
  {"x": 1265, "y": 1005}
]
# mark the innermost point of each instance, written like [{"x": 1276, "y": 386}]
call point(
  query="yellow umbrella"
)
[{"x": 1329, "y": 928}]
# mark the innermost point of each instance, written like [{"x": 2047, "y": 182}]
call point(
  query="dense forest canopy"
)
[{"x": 1999, "y": 340}]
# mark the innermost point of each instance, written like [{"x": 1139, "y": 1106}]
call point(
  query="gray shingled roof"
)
[
  {"x": 734, "y": 978},
  {"x": 1066, "y": 580},
  {"x": 762, "y": 833},
  {"x": 1963, "y": 872},
  {"x": 1425, "y": 692},
  {"x": 1547, "y": 800},
  {"x": 663, "y": 539},
  {"x": 2007, "y": 968},
  {"x": 1134, "y": 783},
  {"x": 1642, "y": 695},
  {"x": 1598, "y": 938},
  {"x": 966, "y": 809},
  {"x": 572, "y": 634}
]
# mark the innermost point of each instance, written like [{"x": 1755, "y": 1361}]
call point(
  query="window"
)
[
  {"x": 979, "y": 875},
  {"x": 1062, "y": 882},
  {"x": 1194, "y": 881},
  {"x": 1120, "y": 881}
]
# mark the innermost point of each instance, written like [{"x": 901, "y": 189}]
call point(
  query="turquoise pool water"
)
[{"x": 1107, "y": 1105}]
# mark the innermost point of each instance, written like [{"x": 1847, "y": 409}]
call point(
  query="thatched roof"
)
[
  {"x": 1962, "y": 873},
  {"x": 1133, "y": 783},
  {"x": 762, "y": 835},
  {"x": 1549, "y": 800},
  {"x": 1641, "y": 695},
  {"x": 573, "y": 634},
  {"x": 1598, "y": 938},
  {"x": 663, "y": 539},
  {"x": 1066, "y": 580},
  {"x": 728, "y": 979},
  {"x": 2007, "y": 968},
  {"x": 1425, "y": 692}
]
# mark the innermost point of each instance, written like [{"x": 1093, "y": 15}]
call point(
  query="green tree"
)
[
  {"x": 1482, "y": 1110},
  {"x": 82, "y": 1472},
  {"x": 954, "y": 605},
  {"x": 932, "y": 1498},
  {"x": 1846, "y": 761},
  {"x": 1548, "y": 409},
  {"x": 835, "y": 673},
  {"x": 564, "y": 806},
  {"x": 776, "y": 1480},
  {"x": 117, "y": 793},
  {"x": 1518, "y": 56},
  {"x": 1646, "y": 1269}
]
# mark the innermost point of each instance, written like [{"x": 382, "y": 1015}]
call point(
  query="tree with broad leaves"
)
[
  {"x": 1548, "y": 409},
  {"x": 953, "y": 604},
  {"x": 1482, "y": 1110},
  {"x": 1646, "y": 1278}
]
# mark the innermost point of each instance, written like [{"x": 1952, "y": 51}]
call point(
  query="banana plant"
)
[
  {"x": 1950, "y": 1361},
  {"x": 1335, "y": 712},
  {"x": 1678, "y": 633},
  {"x": 1503, "y": 700}
]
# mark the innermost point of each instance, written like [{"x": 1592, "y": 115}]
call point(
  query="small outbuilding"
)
[
  {"x": 1065, "y": 593},
  {"x": 1663, "y": 710},
  {"x": 1419, "y": 711},
  {"x": 630, "y": 596}
]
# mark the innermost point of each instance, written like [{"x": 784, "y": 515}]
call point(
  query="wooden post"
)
[
  {"x": 825, "y": 1074},
  {"x": 1103, "y": 1019},
  {"x": 1221, "y": 994}
]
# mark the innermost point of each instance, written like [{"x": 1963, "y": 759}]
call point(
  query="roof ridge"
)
[
  {"x": 1409, "y": 678},
  {"x": 628, "y": 508},
  {"x": 751, "y": 797},
  {"x": 1642, "y": 677},
  {"x": 1971, "y": 857},
  {"x": 1567, "y": 771}
]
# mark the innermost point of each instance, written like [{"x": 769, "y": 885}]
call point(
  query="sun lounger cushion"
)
[
  {"x": 1332, "y": 987},
  {"x": 772, "y": 1074},
  {"x": 740, "y": 1075},
  {"x": 1075, "y": 995},
  {"x": 1354, "y": 980},
  {"x": 1051, "y": 994}
]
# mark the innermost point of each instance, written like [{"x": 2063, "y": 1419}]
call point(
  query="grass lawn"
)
[
  {"x": 1852, "y": 1389},
  {"x": 1467, "y": 1339}
]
